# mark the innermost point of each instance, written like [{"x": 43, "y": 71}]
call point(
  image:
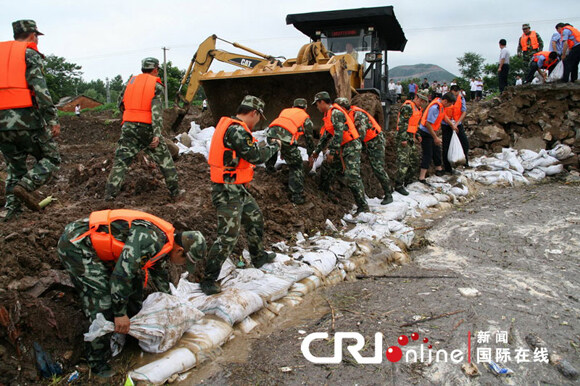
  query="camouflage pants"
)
[
  {"x": 291, "y": 154},
  {"x": 235, "y": 208},
  {"x": 90, "y": 277},
  {"x": 408, "y": 159},
  {"x": 134, "y": 138},
  {"x": 350, "y": 155},
  {"x": 16, "y": 146},
  {"x": 375, "y": 149}
]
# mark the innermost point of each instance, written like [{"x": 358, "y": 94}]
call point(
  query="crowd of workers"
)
[{"x": 112, "y": 254}]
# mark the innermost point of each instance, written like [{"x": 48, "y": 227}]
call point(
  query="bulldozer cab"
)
[{"x": 367, "y": 34}]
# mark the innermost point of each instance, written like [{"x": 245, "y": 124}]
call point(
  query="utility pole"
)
[{"x": 165, "y": 76}]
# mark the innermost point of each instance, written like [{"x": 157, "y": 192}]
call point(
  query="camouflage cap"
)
[
  {"x": 342, "y": 102},
  {"x": 300, "y": 102},
  {"x": 525, "y": 25},
  {"x": 186, "y": 240},
  {"x": 254, "y": 103},
  {"x": 423, "y": 95},
  {"x": 322, "y": 95},
  {"x": 20, "y": 26},
  {"x": 149, "y": 63}
]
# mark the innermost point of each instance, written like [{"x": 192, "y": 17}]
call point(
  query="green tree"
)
[
  {"x": 174, "y": 76},
  {"x": 470, "y": 65},
  {"x": 62, "y": 77},
  {"x": 98, "y": 90}
]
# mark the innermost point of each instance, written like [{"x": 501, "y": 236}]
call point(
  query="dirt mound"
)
[
  {"x": 46, "y": 310},
  {"x": 546, "y": 112}
]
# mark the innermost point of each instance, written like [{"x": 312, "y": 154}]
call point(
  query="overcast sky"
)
[{"x": 111, "y": 37}]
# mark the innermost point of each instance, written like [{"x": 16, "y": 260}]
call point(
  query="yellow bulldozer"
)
[{"x": 346, "y": 56}]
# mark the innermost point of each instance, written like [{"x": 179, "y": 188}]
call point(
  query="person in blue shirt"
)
[
  {"x": 556, "y": 43},
  {"x": 431, "y": 143},
  {"x": 542, "y": 60},
  {"x": 570, "y": 50}
]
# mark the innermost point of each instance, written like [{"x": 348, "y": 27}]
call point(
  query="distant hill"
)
[{"x": 429, "y": 71}]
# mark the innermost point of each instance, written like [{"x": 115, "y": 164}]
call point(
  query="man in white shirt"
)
[
  {"x": 399, "y": 89},
  {"x": 478, "y": 89},
  {"x": 472, "y": 88},
  {"x": 504, "y": 65}
]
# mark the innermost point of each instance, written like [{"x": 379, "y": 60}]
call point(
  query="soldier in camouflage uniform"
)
[
  {"x": 141, "y": 132},
  {"x": 28, "y": 119},
  {"x": 527, "y": 52},
  {"x": 408, "y": 157},
  {"x": 232, "y": 156},
  {"x": 115, "y": 288},
  {"x": 374, "y": 147},
  {"x": 346, "y": 157},
  {"x": 290, "y": 151}
]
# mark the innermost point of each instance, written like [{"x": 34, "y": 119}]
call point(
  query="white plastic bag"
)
[
  {"x": 557, "y": 73},
  {"x": 455, "y": 154}
]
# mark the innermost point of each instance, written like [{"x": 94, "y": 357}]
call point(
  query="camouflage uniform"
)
[
  {"x": 235, "y": 205},
  {"x": 408, "y": 157},
  {"x": 26, "y": 131},
  {"x": 375, "y": 149},
  {"x": 291, "y": 154},
  {"x": 137, "y": 136},
  {"x": 116, "y": 289},
  {"x": 529, "y": 53},
  {"x": 349, "y": 153}
]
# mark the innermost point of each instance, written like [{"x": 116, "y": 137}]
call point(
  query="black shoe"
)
[
  {"x": 387, "y": 200},
  {"x": 27, "y": 198},
  {"x": 424, "y": 182},
  {"x": 362, "y": 209},
  {"x": 210, "y": 287},
  {"x": 402, "y": 190},
  {"x": 439, "y": 173},
  {"x": 264, "y": 259}
]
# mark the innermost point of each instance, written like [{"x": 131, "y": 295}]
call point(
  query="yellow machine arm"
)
[{"x": 204, "y": 56}]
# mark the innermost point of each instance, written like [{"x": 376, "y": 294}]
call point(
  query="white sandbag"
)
[
  {"x": 557, "y": 73},
  {"x": 185, "y": 289},
  {"x": 305, "y": 286},
  {"x": 291, "y": 270},
  {"x": 158, "y": 326},
  {"x": 159, "y": 371},
  {"x": 232, "y": 304},
  {"x": 491, "y": 177},
  {"x": 375, "y": 231},
  {"x": 206, "y": 334},
  {"x": 560, "y": 152},
  {"x": 459, "y": 190},
  {"x": 269, "y": 287},
  {"x": 519, "y": 177},
  {"x": 424, "y": 200},
  {"x": 544, "y": 159},
  {"x": 323, "y": 261},
  {"x": 536, "y": 174},
  {"x": 341, "y": 248},
  {"x": 396, "y": 210},
  {"x": 491, "y": 162},
  {"x": 511, "y": 157},
  {"x": 455, "y": 153},
  {"x": 552, "y": 170},
  {"x": 528, "y": 155}
]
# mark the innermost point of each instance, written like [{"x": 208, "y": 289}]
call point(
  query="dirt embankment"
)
[{"x": 33, "y": 288}]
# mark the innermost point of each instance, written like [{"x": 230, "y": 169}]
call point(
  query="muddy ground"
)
[
  {"x": 517, "y": 246},
  {"x": 35, "y": 292}
]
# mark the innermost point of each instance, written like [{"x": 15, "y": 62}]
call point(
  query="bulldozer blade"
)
[{"x": 277, "y": 88}]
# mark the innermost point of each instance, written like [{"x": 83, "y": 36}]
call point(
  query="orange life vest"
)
[
  {"x": 533, "y": 38},
  {"x": 14, "y": 90},
  {"x": 575, "y": 33},
  {"x": 291, "y": 119},
  {"x": 454, "y": 111},
  {"x": 108, "y": 248},
  {"x": 547, "y": 62},
  {"x": 437, "y": 124},
  {"x": 243, "y": 172},
  {"x": 137, "y": 99},
  {"x": 413, "y": 124},
  {"x": 348, "y": 135},
  {"x": 372, "y": 132}
]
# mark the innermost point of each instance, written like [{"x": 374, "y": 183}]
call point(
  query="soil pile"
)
[
  {"x": 39, "y": 302},
  {"x": 548, "y": 113}
]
